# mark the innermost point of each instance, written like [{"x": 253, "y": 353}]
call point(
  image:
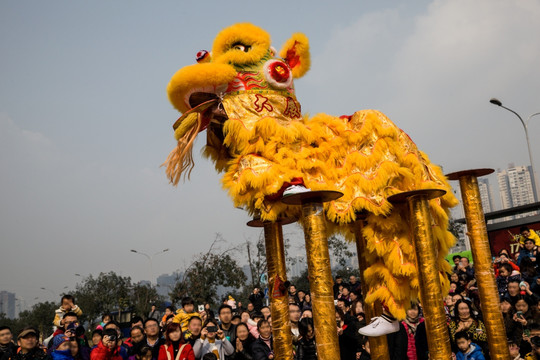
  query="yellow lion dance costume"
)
[{"x": 243, "y": 95}]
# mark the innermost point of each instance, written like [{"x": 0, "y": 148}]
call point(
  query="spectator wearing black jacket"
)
[
  {"x": 7, "y": 346},
  {"x": 306, "y": 349},
  {"x": 263, "y": 347}
]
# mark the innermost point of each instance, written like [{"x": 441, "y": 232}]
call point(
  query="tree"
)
[
  {"x": 143, "y": 296},
  {"x": 339, "y": 248},
  {"x": 41, "y": 317},
  {"x": 102, "y": 294},
  {"x": 208, "y": 271}
]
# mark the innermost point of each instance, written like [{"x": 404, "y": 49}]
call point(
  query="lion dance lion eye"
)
[
  {"x": 239, "y": 47},
  {"x": 202, "y": 56}
]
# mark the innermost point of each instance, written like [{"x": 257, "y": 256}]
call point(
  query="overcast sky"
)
[{"x": 85, "y": 121}]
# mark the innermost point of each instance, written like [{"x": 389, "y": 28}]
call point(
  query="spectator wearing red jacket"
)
[
  {"x": 108, "y": 348},
  {"x": 175, "y": 348}
]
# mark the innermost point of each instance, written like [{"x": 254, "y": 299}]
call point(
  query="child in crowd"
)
[
  {"x": 185, "y": 313},
  {"x": 467, "y": 349},
  {"x": 67, "y": 304}
]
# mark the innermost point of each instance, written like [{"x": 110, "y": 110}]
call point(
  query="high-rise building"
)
[
  {"x": 7, "y": 304},
  {"x": 486, "y": 195},
  {"x": 516, "y": 186}
]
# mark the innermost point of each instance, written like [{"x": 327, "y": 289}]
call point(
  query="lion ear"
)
[{"x": 295, "y": 52}]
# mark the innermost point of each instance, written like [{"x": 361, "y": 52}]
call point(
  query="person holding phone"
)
[
  {"x": 212, "y": 340},
  {"x": 108, "y": 348}
]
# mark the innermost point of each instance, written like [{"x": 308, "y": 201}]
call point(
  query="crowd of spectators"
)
[{"x": 233, "y": 332}]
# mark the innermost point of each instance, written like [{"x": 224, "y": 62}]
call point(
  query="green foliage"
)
[
  {"x": 301, "y": 282},
  {"x": 40, "y": 316},
  {"x": 110, "y": 292},
  {"x": 208, "y": 271},
  {"x": 339, "y": 248}
]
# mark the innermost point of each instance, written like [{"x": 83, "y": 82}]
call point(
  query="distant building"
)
[
  {"x": 166, "y": 282},
  {"x": 7, "y": 304},
  {"x": 516, "y": 187},
  {"x": 486, "y": 194}
]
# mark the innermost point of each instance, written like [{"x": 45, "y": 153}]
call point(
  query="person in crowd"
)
[
  {"x": 124, "y": 348},
  {"x": 67, "y": 304},
  {"x": 229, "y": 330},
  {"x": 61, "y": 348},
  {"x": 250, "y": 308},
  {"x": 77, "y": 351},
  {"x": 256, "y": 299},
  {"x": 252, "y": 323},
  {"x": 185, "y": 313},
  {"x": 514, "y": 330},
  {"x": 193, "y": 332},
  {"x": 529, "y": 250},
  {"x": 244, "y": 343},
  {"x": 506, "y": 273},
  {"x": 467, "y": 349},
  {"x": 355, "y": 295},
  {"x": 236, "y": 319},
  {"x": 456, "y": 260},
  {"x": 465, "y": 267},
  {"x": 348, "y": 336},
  {"x": 513, "y": 349},
  {"x": 175, "y": 347},
  {"x": 96, "y": 337},
  {"x": 213, "y": 340},
  {"x": 503, "y": 258},
  {"x": 512, "y": 291},
  {"x": 365, "y": 352},
  {"x": 354, "y": 284},
  {"x": 68, "y": 319},
  {"x": 108, "y": 348},
  {"x": 294, "y": 318},
  {"x": 142, "y": 353},
  {"x": 169, "y": 310},
  {"x": 529, "y": 269},
  {"x": 409, "y": 327},
  {"x": 136, "y": 322},
  {"x": 526, "y": 313},
  {"x": 466, "y": 320},
  {"x": 105, "y": 318},
  {"x": 449, "y": 307},
  {"x": 263, "y": 347},
  {"x": 357, "y": 310},
  {"x": 527, "y": 233},
  {"x": 345, "y": 292},
  {"x": 301, "y": 295},
  {"x": 338, "y": 282},
  {"x": 153, "y": 338},
  {"x": 265, "y": 310},
  {"x": 535, "y": 352},
  {"x": 307, "y": 314},
  {"x": 307, "y": 302},
  {"x": 154, "y": 313},
  {"x": 454, "y": 277},
  {"x": 306, "y": 349},
  {"x": 136, "y": 339},
  {"x": 7, "y": 346},
  {"x": 293, "y": 295},
  {"x": 28, "y": 341}
]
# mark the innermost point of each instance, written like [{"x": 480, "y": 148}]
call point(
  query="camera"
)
[{"x": 212, "y": 329}]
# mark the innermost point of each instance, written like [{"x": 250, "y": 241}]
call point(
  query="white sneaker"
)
[
  {"x": 380, "y": 325},
  {"x": 295, "y": 189}
]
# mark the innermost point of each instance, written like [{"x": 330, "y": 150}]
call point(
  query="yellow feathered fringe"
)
[{"x": 367, "y": 158}]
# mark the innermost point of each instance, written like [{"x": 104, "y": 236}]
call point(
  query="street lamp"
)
[
  {"x": 150, "y": 259},
  {"x": 525, "y": 124}
]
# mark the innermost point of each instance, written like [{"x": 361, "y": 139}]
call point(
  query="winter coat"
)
[
  {"x": 101, "y": 352},
  {"x": 62, "y": 355},
  {"x": 182, "y": 318},
  {"x": 261, "y": 350},
  {"x": 474, "y": 353},
  {"x": 202, "y": 347},
  {"x": 35, "y": 354},
  {"x": 306, "y": 350},
  {"x": 166, "y": 352}
]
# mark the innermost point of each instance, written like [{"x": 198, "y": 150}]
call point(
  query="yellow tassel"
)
[{"x": 180, "y": 159}]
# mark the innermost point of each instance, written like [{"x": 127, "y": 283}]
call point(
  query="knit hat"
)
[{"x": 59, "y": 340}]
